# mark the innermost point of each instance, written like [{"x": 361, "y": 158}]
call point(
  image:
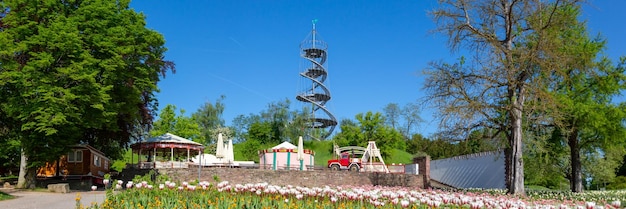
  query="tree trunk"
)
[
  {"x": 576, "y": 180},
  {"x": 508, "y": 155},
  {"x": 516, "y": 186},
  {"x": 26, "y": 178},
  {"x": 30, "y": 178},
  {"x": 21, "y": 180}
]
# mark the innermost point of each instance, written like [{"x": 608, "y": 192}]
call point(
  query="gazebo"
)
[{"x": 166, "y": 151}]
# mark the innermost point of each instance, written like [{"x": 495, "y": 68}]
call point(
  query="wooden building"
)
[{"x": 83, "y": 162}]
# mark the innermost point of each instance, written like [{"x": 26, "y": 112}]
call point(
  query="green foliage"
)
[
  {"x": 399, "y": 156},
  {"x": 120, "y": 164},
  {"x": 618, "y": 183},
  {"x": 209, "y": 119},
  {"x": 274, "y": 125},
  {"x": 245, "y": 197},
  {"x": 263, "y": 133},
  {"x": 440, "y": 149},
  {"x": 180, "y": 125},
  {"x": 77, "y": 71},
  {"x": 249, "y": 150},
  {"x": 586, "y": 119},
  {"x": 10, "y": 149},
  {"x": 370, "y": 127},
  {"x": 323, "y": 151},
  {"x": 5, "y": 196},
  {"x": 150, "y": 177}
]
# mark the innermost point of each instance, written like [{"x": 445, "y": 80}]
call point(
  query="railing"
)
[
  {"x": 160, "y": 164},
  {"x": 400, "y": 168},
  {"x": 366, "y": 167}
]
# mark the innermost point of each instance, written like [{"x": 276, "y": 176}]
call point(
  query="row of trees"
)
[{"x": 535, "y": 77}]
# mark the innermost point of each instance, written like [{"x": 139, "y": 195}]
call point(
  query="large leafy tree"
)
[
  {"x": 272, "y": 126},
  {"x": 590, "y": 125},
  {"x": 74, "y": 72},
  {"x": 370, "y": 127},
  {"x": 493, "y": 89},
  {"x": 177, "y": 124}
]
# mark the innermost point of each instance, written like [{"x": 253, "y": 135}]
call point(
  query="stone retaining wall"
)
[{"x": 316, "y": 178}]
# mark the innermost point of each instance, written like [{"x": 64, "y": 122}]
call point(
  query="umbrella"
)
[
  {"x": 301, "y": 153},
  {"x": 219, "y": 152},
  {"x": 230, "y": 154}
]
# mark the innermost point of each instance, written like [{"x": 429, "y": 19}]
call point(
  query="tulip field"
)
[{"x": 262, "y": 195}]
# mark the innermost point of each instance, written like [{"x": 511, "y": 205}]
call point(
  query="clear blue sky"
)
[{"x": 249, "y": 50}]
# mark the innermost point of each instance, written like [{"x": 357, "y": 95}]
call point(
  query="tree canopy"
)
[
  {"x": 513, "y": 48},
  {"x": 370, "y": 127},
  {"x": 77, "y": 72},
  {"x": 177, "y": 124}
]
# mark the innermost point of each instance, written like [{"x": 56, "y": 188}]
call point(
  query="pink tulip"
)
[
  {"x": 404, "y": 203},
  {"x": 590, "y": 205},
  {"x": 616, "y": 204}
]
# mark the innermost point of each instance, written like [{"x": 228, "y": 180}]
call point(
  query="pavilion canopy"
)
[
  {"x": 168, "y": 140},
  {"x": 285, "y": 145}
]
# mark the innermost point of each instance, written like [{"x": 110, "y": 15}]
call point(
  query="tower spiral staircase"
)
[{"x": 317, "y": 94}]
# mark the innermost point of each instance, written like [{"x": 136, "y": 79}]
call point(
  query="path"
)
[{"x": 37, "y": 200}]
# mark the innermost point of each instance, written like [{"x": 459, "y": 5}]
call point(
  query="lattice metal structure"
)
[{"x": 313, "y": 51}]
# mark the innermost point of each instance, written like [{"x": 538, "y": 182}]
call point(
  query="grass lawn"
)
[{"x": 5, "y": 196}]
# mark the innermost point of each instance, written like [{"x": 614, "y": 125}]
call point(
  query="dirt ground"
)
[{"x": 26, "y": 199}]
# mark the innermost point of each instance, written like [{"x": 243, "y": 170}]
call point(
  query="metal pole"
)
[{"x": 199, "y": 163}]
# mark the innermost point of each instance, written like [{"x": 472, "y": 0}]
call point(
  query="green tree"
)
[
  {"x": 507, "y": 38},
  {"x": 273, "y": 125},
  {"x": 370, "y": 127},
  {"x": 241, "y": 124},
  {"x": 209, "y": 118},
  {"x": 588, "y": 83},
  {"x": 263, "y": 132},
  {"x": 250, "y": 149},
  {"x": 180, "y": 125},
  {"x": 74, "y": 72}
]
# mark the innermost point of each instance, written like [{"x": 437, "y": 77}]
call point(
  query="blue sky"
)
[{"x": 249, "y": 51}]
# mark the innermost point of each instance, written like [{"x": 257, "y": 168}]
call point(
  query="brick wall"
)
[
  {"x": 424, "y": 169},
  {"x": 316, "y": 178}
]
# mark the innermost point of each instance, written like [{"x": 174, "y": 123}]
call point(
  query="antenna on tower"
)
[{"x": 314, "y": 21}]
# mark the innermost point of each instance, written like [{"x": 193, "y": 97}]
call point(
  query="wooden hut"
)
[{"x": 82, "y": 162}]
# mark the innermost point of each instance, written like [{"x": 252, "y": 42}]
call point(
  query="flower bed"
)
[{"x": 262, "y": 195}]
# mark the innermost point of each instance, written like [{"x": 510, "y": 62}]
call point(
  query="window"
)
[
  {"x": 106, "y": 164},
  {"x": 96, "y": 161},
  {"x": 75, "y": 156}
]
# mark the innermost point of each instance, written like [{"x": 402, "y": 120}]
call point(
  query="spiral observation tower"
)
[{"x": 315, "y": 92}]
